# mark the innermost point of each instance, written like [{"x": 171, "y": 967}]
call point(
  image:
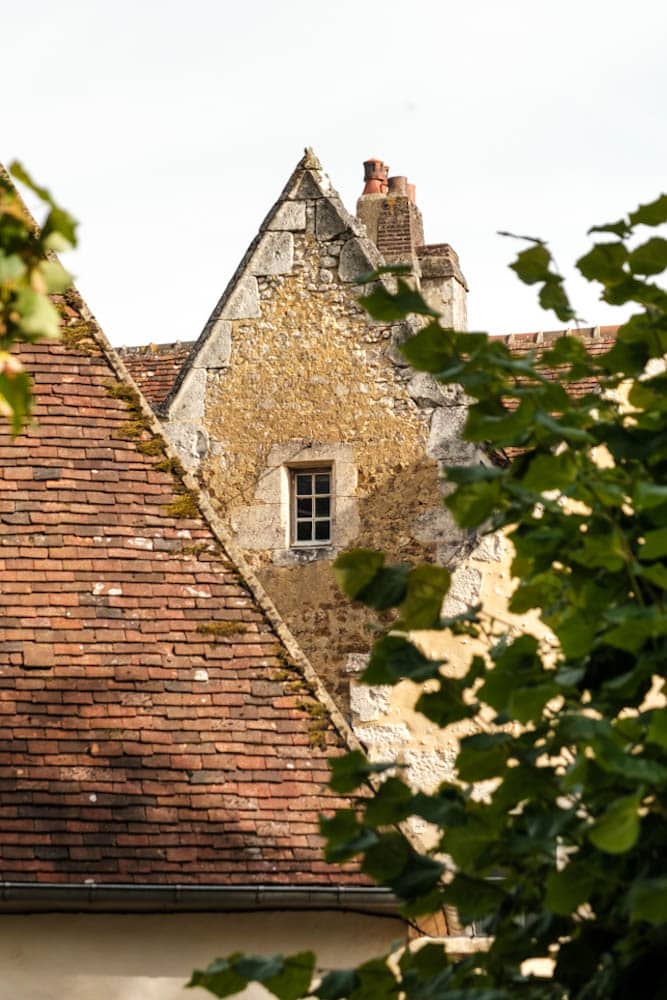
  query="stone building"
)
[
  {"x": 164, "y": 752},
  {"x": 300, "y": 416},
  {"x": 312, "y": 434}
]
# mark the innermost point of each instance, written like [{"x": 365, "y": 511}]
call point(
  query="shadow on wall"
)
[{"x": 405, "y": 519}]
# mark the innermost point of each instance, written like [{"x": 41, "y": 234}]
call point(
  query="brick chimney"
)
[
  {"x": 390, "y": 214},
  {"x": 388, "y": 209}
]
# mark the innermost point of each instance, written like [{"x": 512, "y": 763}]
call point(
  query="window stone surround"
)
[{"x": 265, "y": 524}]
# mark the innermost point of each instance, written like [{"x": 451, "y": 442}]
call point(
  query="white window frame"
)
[{"x": 312, "y": 470}]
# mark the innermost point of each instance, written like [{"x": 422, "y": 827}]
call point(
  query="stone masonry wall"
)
[
  {"x": 311, "y": 377},
  {"x": 293, "y": 371}
]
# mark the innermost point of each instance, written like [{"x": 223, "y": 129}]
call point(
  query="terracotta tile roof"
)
[
  {"x": 154, "y": 367},
  {"x": 154, "y": 726},
  {"x": 597, "y": 339}
]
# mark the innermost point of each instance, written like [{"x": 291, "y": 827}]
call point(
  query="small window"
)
[{"x": 310, "y": 501}]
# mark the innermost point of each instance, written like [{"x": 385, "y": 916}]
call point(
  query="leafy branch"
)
[
  {"x": 30, "y": 275},
  {"x": 564, "y": 858}
]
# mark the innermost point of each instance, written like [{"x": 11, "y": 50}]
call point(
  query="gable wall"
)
[
  {"x": 303, "y": 375},
  {"x": 294, "y": 372}
]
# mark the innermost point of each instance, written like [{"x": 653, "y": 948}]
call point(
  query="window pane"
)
[
  {"x": 304, "y": 484},
  {"x": 304, "y": 531},
  {"x": 304, "y": 507},
  {"x": 322, "y": 507},
  {"x": 323, "y": 482},
  {"x": 322, "y": 531}
]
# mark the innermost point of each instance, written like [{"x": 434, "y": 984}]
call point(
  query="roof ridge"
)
[{"x": 596, "y": 332}]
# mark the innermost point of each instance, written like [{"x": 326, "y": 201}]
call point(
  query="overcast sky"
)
[{"x": 170, "y": 128}]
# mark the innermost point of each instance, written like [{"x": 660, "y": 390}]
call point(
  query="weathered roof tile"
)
[
  {"x": 151, "y": 731},
  {"x": 154, "y": 367}
]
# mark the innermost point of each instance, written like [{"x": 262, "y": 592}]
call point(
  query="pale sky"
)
[{"x": 170, "y": 128}]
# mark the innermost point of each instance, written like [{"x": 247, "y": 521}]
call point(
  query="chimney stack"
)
[{"x": 388, "y": 209}]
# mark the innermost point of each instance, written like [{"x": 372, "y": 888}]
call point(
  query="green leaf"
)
[
  {"x": 617, "y": 830},
  {"x": 375, "y": 981},
  {"x": 648, "y": 900},
  {"x": 446, "y": 705},
  {"x": 390, "y": 804},
  {"x": 352, "y": 770},
  {"x": 59, "y": 230},
  {"x": 387, "y": 588},
  {"x": 220, "y": 979},
  {"x": 446, "y": 807},
  {"x": 12, "y": 268},
  {"x": 394, "y": 658},
  {"x": 532, "y": 265},
  {"x": 604, "y": 262},
  {"x": 337, "y": 985},
  {"x": 16, "y": 394},
  {"x": 470, "y": 841},
  {"x": 646, "y": 494},
  {"x": 39, "y": 318},
  {"x": 650, "y": 257},
  {"x": 354, "y": 570},
  {"x": 474, "y": 897},
  {"x": 56, "y": 278},
  {"x": 482, "y": 756},
  {"x": 635, "y": 767},
  {"x": 389, "y": 307},
  {"x": 427, "y": 961},
  {"x": 420, "y": 875},
  {"x": 430, "y": 350},
  {"x": 550, "y": 472},
  {"x": 18, "y": 171},
  {"x": 652, "y": 214},
  {"x": 387, "y": 858},
  {"x": 605, "y": 550},
  {"x": 426, "y": 589},
  {"x": 569, "y": 888},
  {"x": 527, "y": 701},
  {"x": 345, "y": 837},
  {"x": 656, "y": 574},
  {"x": 620, "y": 228},
  {"x": 655, "y": 544},
  {"x": 293, "y": 981},
  {"x": 657, "y": 730},
  {"x": 552, "y": 296},
  {"x": 472, "y": 504},
  {"x": 575, "y": 633},
  {"x": 286, "y": 978}
]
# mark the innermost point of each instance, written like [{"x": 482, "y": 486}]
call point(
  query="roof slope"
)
[
  {"x": 154, "y": 367},
  {"x": 155, "y": 725},
  {"x": 596, "y": 339}
]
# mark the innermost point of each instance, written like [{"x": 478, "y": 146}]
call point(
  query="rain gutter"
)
[{"x": 91, "y": 897}]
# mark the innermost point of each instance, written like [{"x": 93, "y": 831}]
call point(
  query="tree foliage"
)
[
  {"x": 29, "y": 275},
  {"x": 565, "y": 856}
]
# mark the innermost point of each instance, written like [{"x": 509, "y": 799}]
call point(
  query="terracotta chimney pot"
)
[
  {"x": 375, "y": 176},
  {"x": 398, "y": 186}
]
